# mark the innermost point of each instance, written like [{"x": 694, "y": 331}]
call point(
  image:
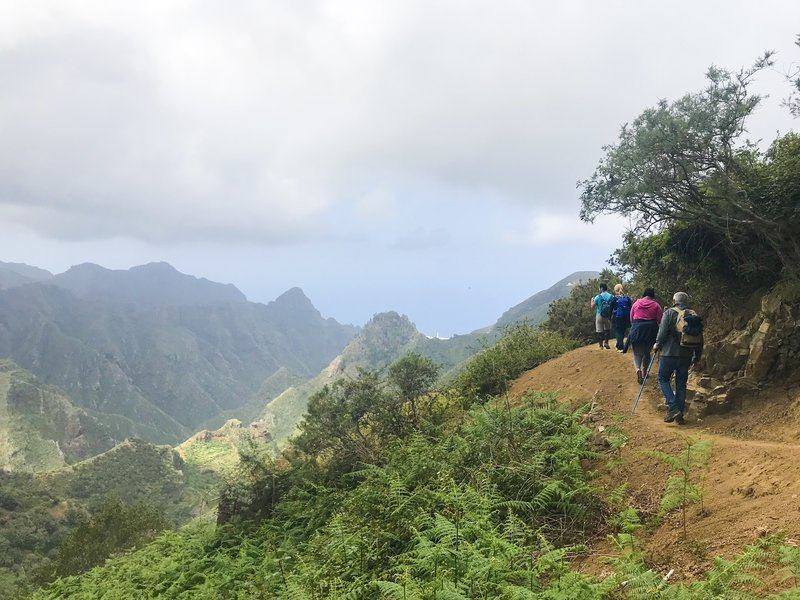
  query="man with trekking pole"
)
[{"x": 680, "y": 344}]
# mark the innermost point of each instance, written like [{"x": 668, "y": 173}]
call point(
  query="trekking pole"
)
[{"x": 644, "y": 381}]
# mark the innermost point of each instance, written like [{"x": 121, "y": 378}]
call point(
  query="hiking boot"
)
[
  {"x": 672, "y": 415},
  {"x": 639, "y": 376},
  {"x": 679, "y": 419},
  {"x": 606, "y": 346}
]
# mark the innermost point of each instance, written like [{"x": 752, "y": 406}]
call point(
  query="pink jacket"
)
[{"x": 646, "y": 308}]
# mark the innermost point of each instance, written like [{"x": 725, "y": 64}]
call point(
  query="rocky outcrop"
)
[{"x": 766, "y": 350}]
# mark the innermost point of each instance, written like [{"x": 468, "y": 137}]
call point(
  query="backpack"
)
[
  {"x": 690, "y": 326},
  {"x": 606, "y": 306},
  {"x": 622, "y": 308}
]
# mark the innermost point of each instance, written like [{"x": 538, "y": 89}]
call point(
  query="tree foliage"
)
[
  {"x": 685, "y": 166},
  {"x": 114, "y": 528}
]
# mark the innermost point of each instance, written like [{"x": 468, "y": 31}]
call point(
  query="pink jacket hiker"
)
[{"x": 646, "y": 309}]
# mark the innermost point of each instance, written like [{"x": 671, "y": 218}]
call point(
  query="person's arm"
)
[
  {"x": 663, "y": 330},
  {"x": 592, "y": 303}
]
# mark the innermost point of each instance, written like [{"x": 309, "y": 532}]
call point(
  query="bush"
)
[
  {"x": 115, "y": 527},
  {"x": 521, "y": 348},
  {"x": 462, "y": 512}
]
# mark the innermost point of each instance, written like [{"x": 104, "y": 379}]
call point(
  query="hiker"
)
[
  {"x": 621, "y": 319},
  {"x": 645, "y": 317},
  {"x": 603, "y": 305},
  {"x": 680, "y": 341}
]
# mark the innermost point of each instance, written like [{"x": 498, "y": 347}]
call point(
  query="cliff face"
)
[
  {"x": 764, "y": 352},
  {"x": 767, "y": 347}
]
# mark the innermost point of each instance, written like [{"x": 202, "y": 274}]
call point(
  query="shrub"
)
[{"x": 521, "y": 348}]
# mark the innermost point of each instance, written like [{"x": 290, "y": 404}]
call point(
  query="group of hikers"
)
[{"x": 674, "y": 334}]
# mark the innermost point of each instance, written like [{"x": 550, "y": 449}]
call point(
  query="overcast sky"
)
[{"x": 412, "y": 155}]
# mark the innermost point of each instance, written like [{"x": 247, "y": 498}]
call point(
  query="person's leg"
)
[
  {"x": 619, "y": 333},
  {"x": 681, "y": 377},
  {"x": 638, "y": 353},
  {"x": 607, "y": 326},
  {"x": 598, "y": 327},
  {"x": 665, "y": 369},
  {"x": 646, "y": 358}
]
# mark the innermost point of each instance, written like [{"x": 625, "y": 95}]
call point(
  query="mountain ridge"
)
[{"x": 161, "y": 368}]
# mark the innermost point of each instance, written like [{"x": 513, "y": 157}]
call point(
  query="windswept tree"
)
[{"x": 687, "y": 164}]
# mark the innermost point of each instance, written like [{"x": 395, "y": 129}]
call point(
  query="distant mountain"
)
[
  {"x": 154, "y": 353},
  {"x": 534, "y": 309},
  {"x": 16, "y": 274},
  {"x": 40, "y": 429},
  {"x": 153, "y": 284},
  {"x": 389, "y": 336}
]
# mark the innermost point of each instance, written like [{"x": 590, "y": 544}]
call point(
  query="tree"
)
[
  {"x": 412, "y": 376},
  {"x": 685, "y": 163},
  {"x": 115, "y": 527}
]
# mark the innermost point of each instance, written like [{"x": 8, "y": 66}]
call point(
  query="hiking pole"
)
[{"x": 644, "y": 381}]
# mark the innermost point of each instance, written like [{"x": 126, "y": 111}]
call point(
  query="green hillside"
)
[
  {"x": 40, "y": 429},
  {"x": 39, "y": 510},
  {"x": 465, "y": 497},
  {"x": 146, "y": 362}
]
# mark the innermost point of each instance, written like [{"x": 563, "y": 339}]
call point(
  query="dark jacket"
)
[
  {"x": 643, "y": 332},
  {"x": 669, "y": 339}
]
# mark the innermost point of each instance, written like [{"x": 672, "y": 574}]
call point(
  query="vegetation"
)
[
  {"x": 44, "y": 516},
  {"x": 713, "y": 213},
  {"x": 115, "y": 527},
  {"x": 684, "y": 486},
  {"x": 522, "y": 347},
  {"x": 478, "y": 498},
  {"x": 573, "y": 316}
]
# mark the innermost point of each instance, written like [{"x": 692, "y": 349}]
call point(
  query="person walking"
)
[
  {"x": 680, "y": 341},
  {"x": 603, "y": 305},
  {"x": 645, "y": 317},
  {"x": 621, "y": 319}
]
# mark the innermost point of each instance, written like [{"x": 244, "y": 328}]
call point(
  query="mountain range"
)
[{"x": 154, "y": 353}]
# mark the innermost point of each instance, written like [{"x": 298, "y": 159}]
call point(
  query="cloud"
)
[
  {"x": 555, "y": 229},
  {"x": 260, "y": 121}
]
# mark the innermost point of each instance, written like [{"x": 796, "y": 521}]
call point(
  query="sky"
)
[{"x": 419, "y": 156}]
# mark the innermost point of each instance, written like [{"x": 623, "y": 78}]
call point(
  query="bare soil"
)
[{"x": 752, "y": 482}]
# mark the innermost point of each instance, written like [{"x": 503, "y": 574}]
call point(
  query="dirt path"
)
[{"x": 752, "y": 484}]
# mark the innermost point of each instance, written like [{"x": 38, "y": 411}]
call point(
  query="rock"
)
[{"x": 705, "y": 382}]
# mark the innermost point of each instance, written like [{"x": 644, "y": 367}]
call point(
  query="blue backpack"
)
[
  {"x": 622, "y": 308},
  {"x": 605, "y": 303}
]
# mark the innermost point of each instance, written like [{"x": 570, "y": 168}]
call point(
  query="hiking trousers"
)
[
  {"x": 679, "y": 366},
  {"x": 620, "y": 327},
  {"x": 641, "y": 356}
]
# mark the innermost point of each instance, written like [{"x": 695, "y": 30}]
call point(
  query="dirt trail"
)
[{"x": 752, "y": 483}]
